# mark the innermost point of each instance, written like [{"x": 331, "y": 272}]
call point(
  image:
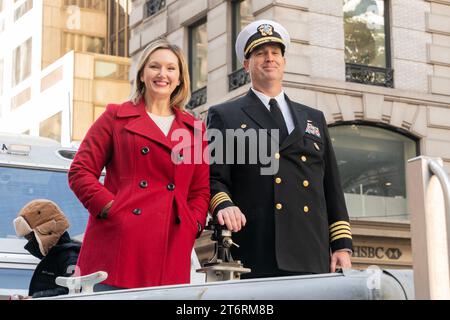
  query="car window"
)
[
  {"x": 15, "y": 278},
  {"x": 18, "y": 186}
]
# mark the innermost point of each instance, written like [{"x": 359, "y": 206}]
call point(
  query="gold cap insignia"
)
[{"x": 265, "y": 30}]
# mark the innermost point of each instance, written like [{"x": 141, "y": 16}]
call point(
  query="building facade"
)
[
  {"x": 378, "y": 69},
  {"x": 56, "y": 69}
]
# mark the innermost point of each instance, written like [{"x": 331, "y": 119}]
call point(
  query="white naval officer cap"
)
[{"x": 260, "y": 32}]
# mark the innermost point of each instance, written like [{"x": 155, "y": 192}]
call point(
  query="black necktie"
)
[{"x": 279, "y": 119}]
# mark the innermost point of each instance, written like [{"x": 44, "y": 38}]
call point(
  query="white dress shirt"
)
[{"x": 283, "y": 106}]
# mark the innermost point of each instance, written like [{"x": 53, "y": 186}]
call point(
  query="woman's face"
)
[{"x": 161, "y": 74}]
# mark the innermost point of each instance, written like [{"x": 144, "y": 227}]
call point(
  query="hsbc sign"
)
[{"x": 376, "y": 252}]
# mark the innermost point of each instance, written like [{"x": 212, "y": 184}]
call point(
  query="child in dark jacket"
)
[{"x": 44, "y": 225}]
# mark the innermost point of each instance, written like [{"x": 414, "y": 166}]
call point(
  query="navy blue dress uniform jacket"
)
[{"x": 296, "y": 216}]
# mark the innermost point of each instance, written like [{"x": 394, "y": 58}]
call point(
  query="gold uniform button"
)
[
  {"x": 303, "y": 158},
  {"x": 277, "y": 156},
  {"x": 316, "y": 146},
  {"x": 305, "y": 209},
  {"x": 243, "y": 126},
  {"x": 279, "y": 206},
  {"x": 278, "y": 180},
  {"x": 305, "y": 183}
]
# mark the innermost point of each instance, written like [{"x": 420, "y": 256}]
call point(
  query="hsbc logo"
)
[
  {"x": 376, "y": 252},
  {"x": 393, "y": 253}
]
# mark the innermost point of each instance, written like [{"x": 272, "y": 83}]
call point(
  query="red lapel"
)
[{"x": 145, "y": 126}]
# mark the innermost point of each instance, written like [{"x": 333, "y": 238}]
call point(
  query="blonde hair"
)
[{"x": 182, "y": 93}]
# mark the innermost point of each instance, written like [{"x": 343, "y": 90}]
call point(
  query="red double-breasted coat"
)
[{"x": 160, "y": 190}]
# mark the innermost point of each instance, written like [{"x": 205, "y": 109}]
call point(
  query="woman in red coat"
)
[{"x": 153, "y": 204}]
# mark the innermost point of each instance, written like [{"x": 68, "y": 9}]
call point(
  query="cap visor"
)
[{"x": 261, "y": 41}]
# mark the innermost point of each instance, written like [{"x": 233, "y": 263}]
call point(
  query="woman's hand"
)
[{"x": 105, "y": 210}]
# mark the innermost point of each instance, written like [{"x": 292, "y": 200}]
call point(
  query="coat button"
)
[
  {"x": 303, "y": 158},
  {"x": 143, "y": 184},
  {"x": 305, "y": 183},
  {"x": 145, "y": 150},
  {"x": 170, "y": 187},
  {"x": 305, "y": 209},
  {"x": 277, "y": 156},
  {"x": 278, "y": 180},
  {"x": 137, "y": 211},
  {"x": 279, "y": 206},
  {"x": 177, "y": 220}
]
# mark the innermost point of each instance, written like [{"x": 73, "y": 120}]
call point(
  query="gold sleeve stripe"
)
[
  {"x": 339, "y": 223},
  {"x": 217, "y": 202},
  {"x": 333, "y": 235},
  {"x": 340, "y": 228},
  {"x": 340, "y": 237},
  {"x": 218, "y": 199}
]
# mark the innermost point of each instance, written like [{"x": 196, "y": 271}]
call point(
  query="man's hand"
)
[
  {"x": 340, "y": 258},
  {"x": 232, "y": 217}
]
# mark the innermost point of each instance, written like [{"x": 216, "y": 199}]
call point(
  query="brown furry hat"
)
[{"x": 46, "y": 219}]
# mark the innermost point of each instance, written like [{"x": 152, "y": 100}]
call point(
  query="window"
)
[
  {"x": 83, "y": 43},
  {"x": 241, "y": 15},
  {"x": 118, "y": 31},
  {"x": 22, "y": 9},
  {"x": 14, "y": 278},
  {"x": 72, "y": 41},
  {"x": 372, "y": 162},
  {"x": 19, "y": 186},
  {"x": 52, "y": 78},
  {"x": 153, "y": 6},
  {"x": 94, "y": 44},
  {"x": 22, "y": 62},
  {"x": 21, "y": 98},
  {"x": 51, "y": 127},
  {"x": 99, "y": 5},
  {"x": 111, "y": 70},
  {"x": 198, "y": 63},
  {"x": 367, "y": 43}
]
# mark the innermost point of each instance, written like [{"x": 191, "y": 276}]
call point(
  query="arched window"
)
[{"x": 372, "y": 163}]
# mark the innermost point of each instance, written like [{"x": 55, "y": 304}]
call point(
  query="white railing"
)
[{"x": 428, "y": 188}]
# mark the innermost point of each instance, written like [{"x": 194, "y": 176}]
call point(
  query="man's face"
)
[{"x": 266, "y": 63}]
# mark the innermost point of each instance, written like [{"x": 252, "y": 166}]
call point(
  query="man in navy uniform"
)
[{"x": 293, "y": 221}]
